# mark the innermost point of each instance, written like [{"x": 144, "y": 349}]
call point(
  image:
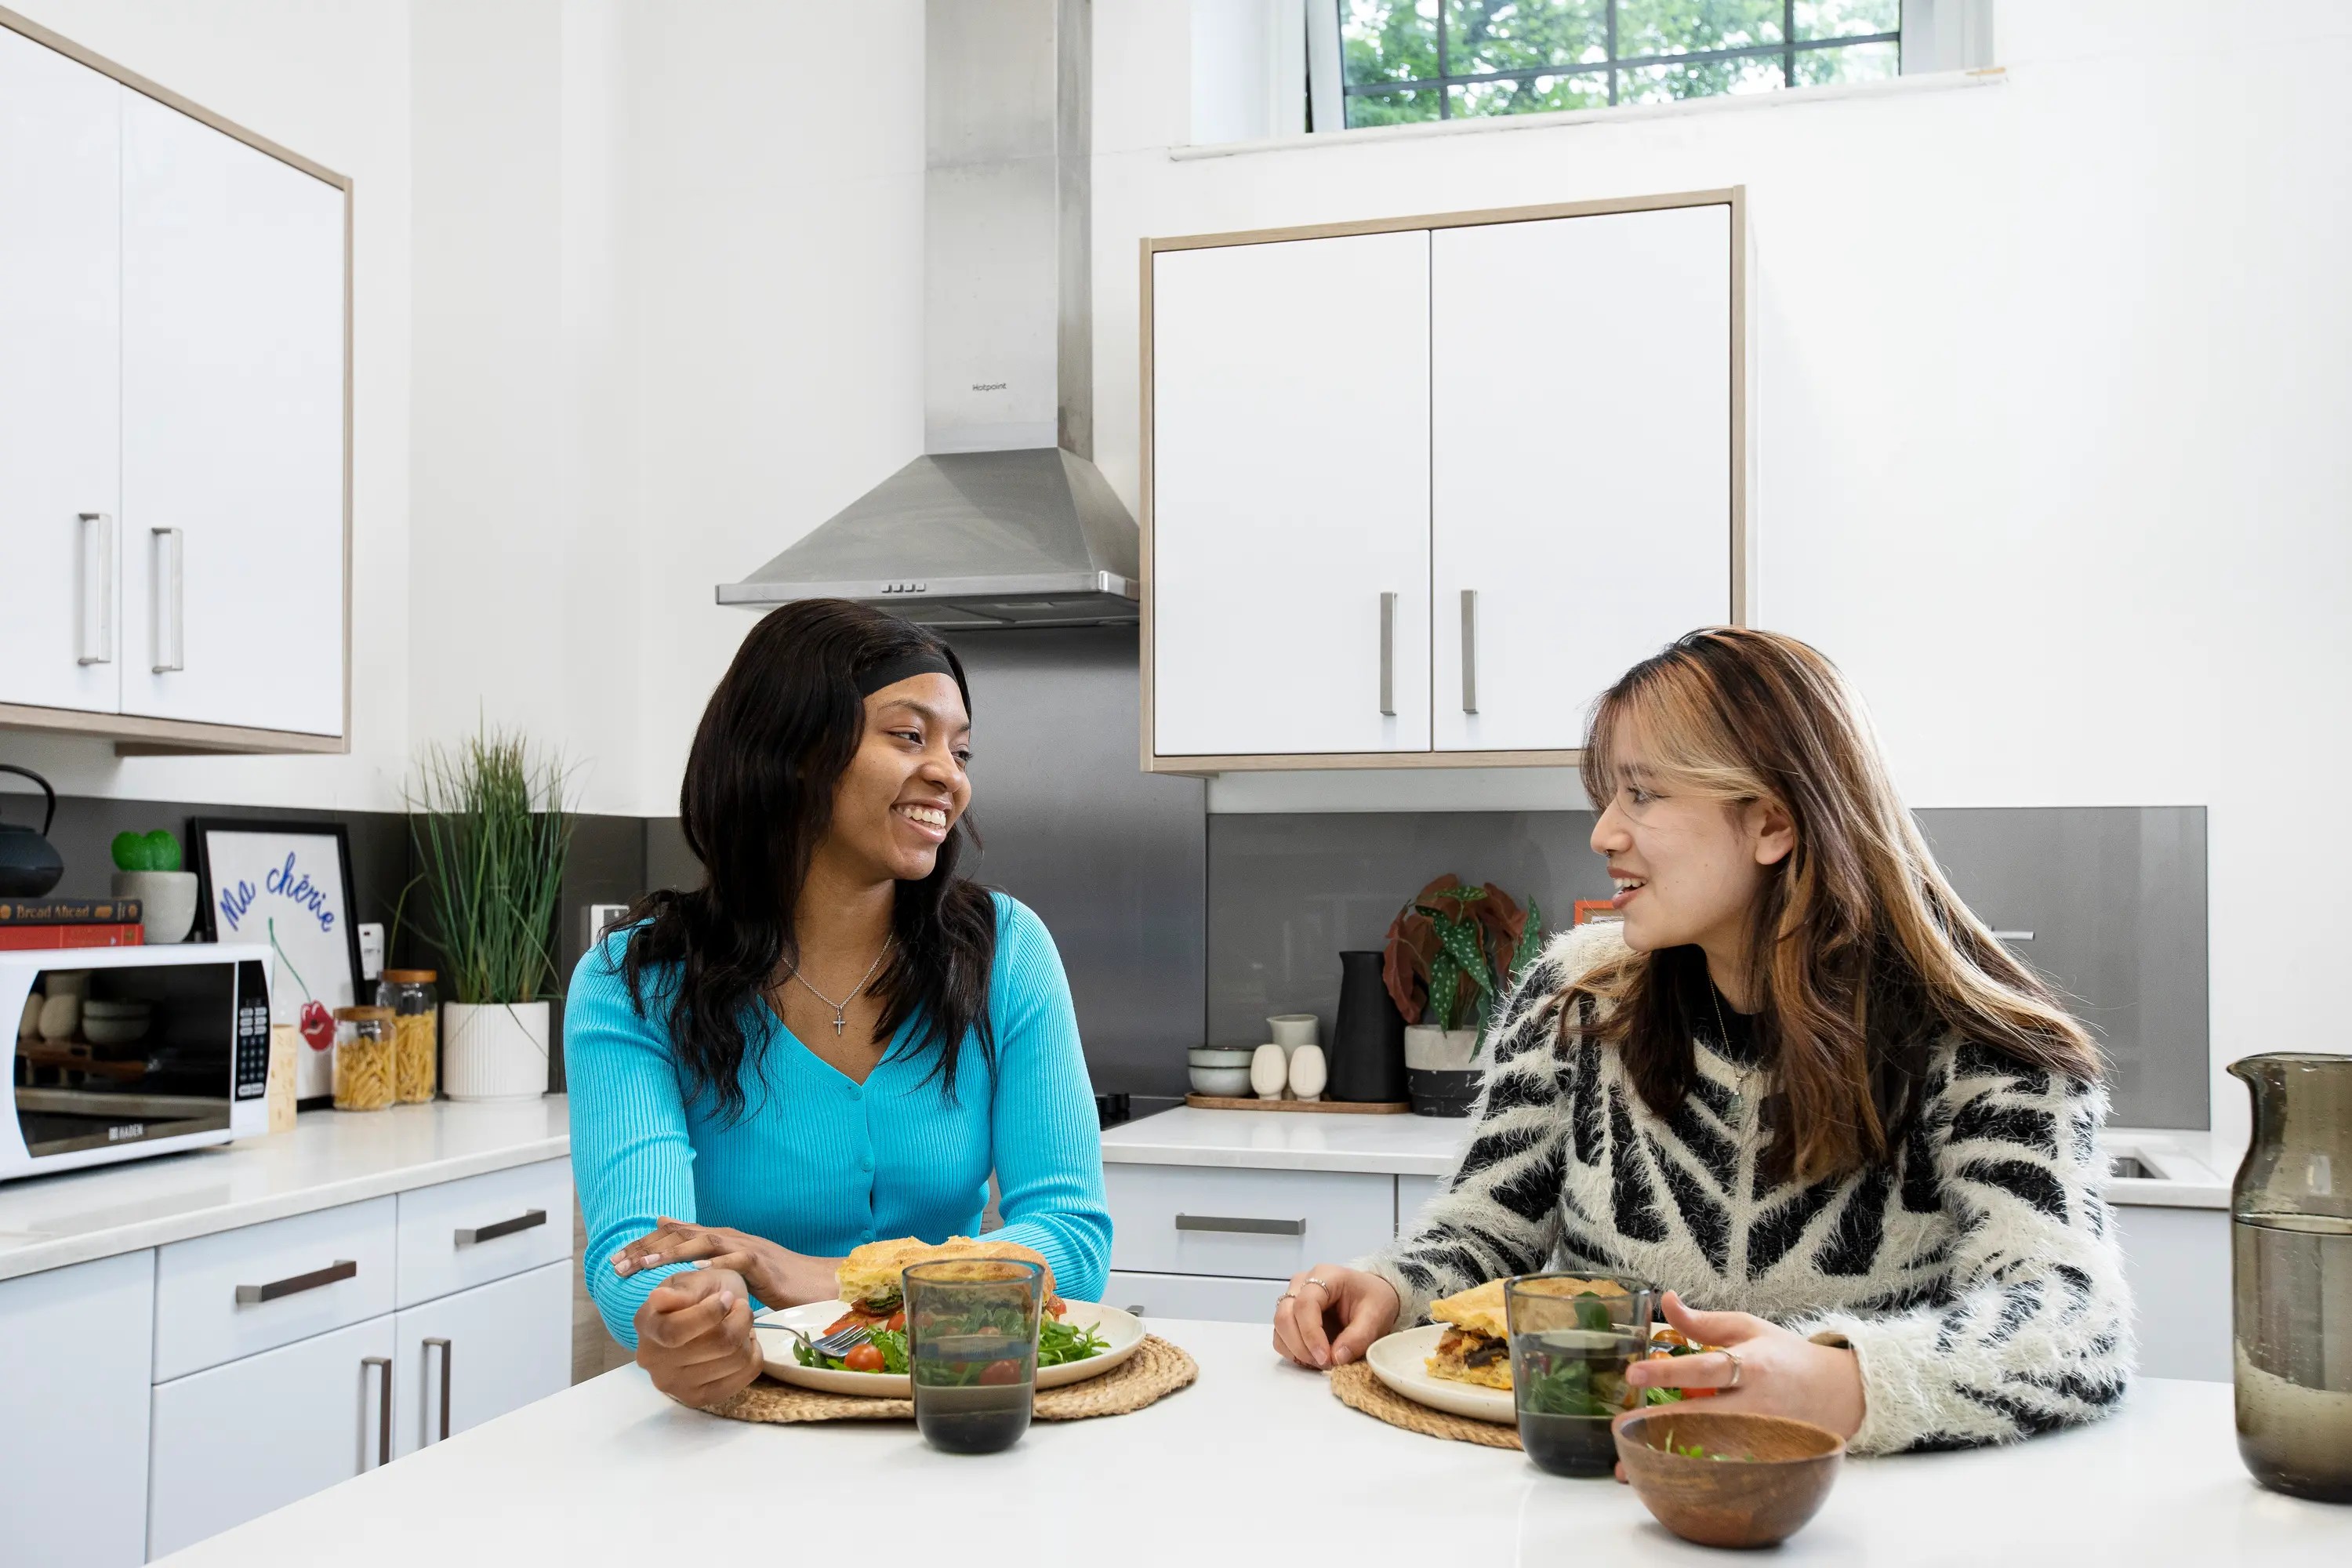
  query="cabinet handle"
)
[
  {"x": 95, "y": 634},
  {"x": 524, "y": 1221},
  {"x": 1388, "y": 655},
  {"x": 171, "y": 600},
  {"x": 1241, "y": 1226},
  {"x": 443, "y": 1346},
  {"x": 382, "y": 1366},
  {"x": 295, "y": 1284},
  {"x": 1469, "y": 650}
]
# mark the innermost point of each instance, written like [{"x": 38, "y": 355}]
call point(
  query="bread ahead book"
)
[{"x": 69, "y": 912}]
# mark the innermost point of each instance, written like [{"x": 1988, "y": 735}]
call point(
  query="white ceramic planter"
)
[
  {"x": 167, "y": 902},
  {"x": 497, "y": 1050},
  {"x": 1428, "y": 1048}
]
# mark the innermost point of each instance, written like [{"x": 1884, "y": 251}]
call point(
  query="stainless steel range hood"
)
[{"x": 1004, "y": 521}]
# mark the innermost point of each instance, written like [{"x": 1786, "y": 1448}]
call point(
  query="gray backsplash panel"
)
[{"x": 2114, "y": 896}]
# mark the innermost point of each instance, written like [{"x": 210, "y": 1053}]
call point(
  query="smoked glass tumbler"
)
[
  {"x": 1572, "y": 1338},
  {"x": 971, "y": 1349}
]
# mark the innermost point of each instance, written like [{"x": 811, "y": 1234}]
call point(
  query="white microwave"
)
[{"x": 123, "y": 1052}]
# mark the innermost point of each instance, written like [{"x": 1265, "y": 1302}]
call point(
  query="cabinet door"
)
[
  {"x": 1198, "y": 1296},
  {"x": 236, "y": 1441},
  {"x": 1580, "y": 461},
  {"x": 60, "y": 280},
  {"x": 232, "y": 431},
  {"x": 73, "y": 1452},
  {"x": 497, "y": 1347},
  {"x": 1290, "y": 496}
]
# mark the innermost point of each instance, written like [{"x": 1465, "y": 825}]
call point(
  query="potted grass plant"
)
[
  {"x": 1453, "y": 953},
  {"x": 490, "y": 831}
]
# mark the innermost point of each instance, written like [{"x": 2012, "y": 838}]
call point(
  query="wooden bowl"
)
[{"x": 1755, "y": 1500}]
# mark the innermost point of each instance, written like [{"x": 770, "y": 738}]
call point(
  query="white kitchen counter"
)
[
  {"x": 329, "y": 1158},
  {"x": 1256, "y": 1463},
  {"x": 1427, "y": 1145}
]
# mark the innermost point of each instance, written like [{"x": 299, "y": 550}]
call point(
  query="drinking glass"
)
[
  {"x": 1572, "y": 1338},
  {"x": 971, "y": 1349}
]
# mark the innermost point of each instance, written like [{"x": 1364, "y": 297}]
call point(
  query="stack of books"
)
[{"x": 41, "y": 923}]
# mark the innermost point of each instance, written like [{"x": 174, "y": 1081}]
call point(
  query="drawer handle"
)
[
  {"x": 525, "y": 1221},
  {"x": 295, "y": 1284},
  {"x": 1241, "y": 1226},
  {"x": 443, "y": 1346},
  {"x": 382, "y": 1366}
]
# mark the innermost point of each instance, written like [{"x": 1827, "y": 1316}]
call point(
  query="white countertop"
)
[
  {"x": 1254, "y": 1463},
  {"x": 1427, "y": 1146},
  {"x": 329, "y": 1158}
]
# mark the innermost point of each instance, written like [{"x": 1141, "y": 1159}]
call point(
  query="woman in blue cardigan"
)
[{"x": 836, "y": 1039}]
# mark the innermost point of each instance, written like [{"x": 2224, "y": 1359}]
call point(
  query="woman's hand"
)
[
  {"x": 778, "y": 1277},
  {"x": 1331, "y": 1315},
  {"x": 694, "y": 1336},
  {"x": 1768, "y": 1370}
]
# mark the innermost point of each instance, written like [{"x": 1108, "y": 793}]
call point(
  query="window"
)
[{"x": 1406, "y": 61}]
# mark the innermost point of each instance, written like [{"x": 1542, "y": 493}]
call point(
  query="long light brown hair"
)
[{"x": 1862, "y": 955}]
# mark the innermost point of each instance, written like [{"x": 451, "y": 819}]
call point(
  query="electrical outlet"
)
[
  {"x": 371, "y": 950},
  {"x": 596, "y": 918}
]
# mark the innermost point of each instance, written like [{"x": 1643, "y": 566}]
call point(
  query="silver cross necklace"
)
[{"x": 840, "y": 1008}]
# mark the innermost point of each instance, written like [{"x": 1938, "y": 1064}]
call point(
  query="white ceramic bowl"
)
[
  {"x": 99, "y": 1030},
  {"x": 1225, "y": 1082},
  {"x": 1220, "y": 1056}
]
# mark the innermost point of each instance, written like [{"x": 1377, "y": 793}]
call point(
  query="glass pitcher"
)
[{"x": 2291, "y": 1263}]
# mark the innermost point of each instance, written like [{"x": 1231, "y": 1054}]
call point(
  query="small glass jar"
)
[
  {"x": 415, "y": 1032},
  {"x": 363, "y": 1059}
]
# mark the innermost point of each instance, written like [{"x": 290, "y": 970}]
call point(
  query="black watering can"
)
[{"x": 29, "y": 863}]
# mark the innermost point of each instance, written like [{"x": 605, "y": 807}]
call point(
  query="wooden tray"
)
[{"x": 1328, "y": 1107}]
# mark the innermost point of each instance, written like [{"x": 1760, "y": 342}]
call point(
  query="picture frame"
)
[
  {"x": 288, "y": 886},
  {"x": 1590, "y": 911}
]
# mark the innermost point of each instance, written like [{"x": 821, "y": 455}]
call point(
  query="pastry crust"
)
[{"x": 868, "y": 1278}]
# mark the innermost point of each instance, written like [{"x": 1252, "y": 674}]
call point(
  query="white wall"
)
[
  {"x": 329, "y": 79},
  {"x": 668, "y": 318},
  {"x": 2050, "y": 389}
]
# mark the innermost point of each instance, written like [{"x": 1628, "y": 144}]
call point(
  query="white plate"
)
[
  {"x": 1123, "y": 1331},
  {"x": 1401, "y": 1361}
]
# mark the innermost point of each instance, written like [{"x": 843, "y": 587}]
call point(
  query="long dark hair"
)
[
  {"x": 1862, "y": 953},
  {"x": 779, "y": 732}
]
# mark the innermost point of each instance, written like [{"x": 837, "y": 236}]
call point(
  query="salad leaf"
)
[
  {"x": 1059, "y": 1343},
  {"x": 891, "y": 1343}
]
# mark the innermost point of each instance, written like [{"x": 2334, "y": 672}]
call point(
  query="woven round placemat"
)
[
  {"x": 1355, "y": 1386},
  {"x": 1155, "y": 1370}
]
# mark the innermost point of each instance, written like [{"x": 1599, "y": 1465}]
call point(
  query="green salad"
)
[{"x": 1058, "y": 1344}]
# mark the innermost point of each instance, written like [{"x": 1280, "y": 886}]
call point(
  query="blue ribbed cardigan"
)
[{"x": 819, "y": 1163}]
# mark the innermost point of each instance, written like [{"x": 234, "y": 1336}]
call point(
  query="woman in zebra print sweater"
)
[{"x": 1800, "y": 1085}]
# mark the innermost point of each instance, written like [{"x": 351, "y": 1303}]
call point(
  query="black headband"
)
[{"x": 905, "y": 667}]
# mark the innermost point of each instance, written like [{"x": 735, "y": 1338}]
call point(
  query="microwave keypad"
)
[{"x": 252, "y": 1050}]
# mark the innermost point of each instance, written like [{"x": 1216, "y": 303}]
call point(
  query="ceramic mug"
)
[{"x": 1291, "y": 1030}]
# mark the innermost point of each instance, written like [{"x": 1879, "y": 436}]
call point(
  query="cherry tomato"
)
[
  {"x": 850, "y": 1319},
  {"x": 1701, "y": 1392},
  {"x": 898, "y": 1320},
  {"x": 1055, "y": 1306},
  {"x": 997, "y": 1374},
  {"x": 865, "y": 1358}
]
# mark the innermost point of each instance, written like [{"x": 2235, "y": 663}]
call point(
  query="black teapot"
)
[{"x": 29, "y": 863}]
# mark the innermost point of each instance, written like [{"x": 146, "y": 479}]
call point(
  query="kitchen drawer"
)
[
  {"x": 1220, "y": 1300},
  {"x": 459, "y": 1234},
  {"x": 1258, "y": 1225},
  {"x": 315, "y": 1271}
]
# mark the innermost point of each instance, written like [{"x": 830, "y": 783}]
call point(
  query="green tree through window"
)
[{"x": 1409, "y": 60}]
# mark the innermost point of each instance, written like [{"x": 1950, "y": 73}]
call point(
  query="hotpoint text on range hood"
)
[{"x": 1005, "y": 521}]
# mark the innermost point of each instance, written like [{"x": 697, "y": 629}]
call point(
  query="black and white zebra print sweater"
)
[{"x": 1974, "y": 1275}]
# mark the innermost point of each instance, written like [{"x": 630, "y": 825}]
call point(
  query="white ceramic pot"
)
[
  {"x": 1428, "y": 1048},
  {"x": 1290, "y": 1031},
  {"x": 167, "y": 902},
  {"x": 1269, "y": 1070},
  {"x": 1307, "y": 1072},
  {"x": 495, "y": 1050}
]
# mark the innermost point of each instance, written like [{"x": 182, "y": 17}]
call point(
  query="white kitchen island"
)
[{"x": 1254, "y": 1463}]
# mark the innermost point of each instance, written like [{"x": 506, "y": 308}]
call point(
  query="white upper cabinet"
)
[
  {"x": 173, "y": 417},
  {"x": 1288, "y": 549},
  {"x": 60, "y": 148},
  {"x": 1580, "y": 461},
  {"x": 1527, "y": 426},
  {"x": 232, "y": 431}
]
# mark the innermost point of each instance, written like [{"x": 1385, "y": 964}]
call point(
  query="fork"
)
[{"x": 841, "y": 1341}]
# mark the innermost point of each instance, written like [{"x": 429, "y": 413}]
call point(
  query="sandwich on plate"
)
[
  {"x": 868, "y": 1278},
  {"x": 1477, "y": 1347}
]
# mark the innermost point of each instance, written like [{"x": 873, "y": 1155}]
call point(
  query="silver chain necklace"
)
[
  {"x": 840, "y": 1008},
  {"x": 1747, "y": 1070}
]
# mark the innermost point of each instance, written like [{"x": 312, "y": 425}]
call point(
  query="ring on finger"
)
[{"x": 1736, "y": 1367}]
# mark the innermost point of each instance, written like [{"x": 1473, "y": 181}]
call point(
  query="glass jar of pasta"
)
[
  {"x": 363, "y": 1066},
  {"x": 415, "y": 1034}
]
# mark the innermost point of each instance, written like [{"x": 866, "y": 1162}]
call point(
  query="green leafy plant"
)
[
  {"x": 154, "y": 851},
  {"x": 1455, "y": 951},
  {"x": 491, "y": 831}
]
